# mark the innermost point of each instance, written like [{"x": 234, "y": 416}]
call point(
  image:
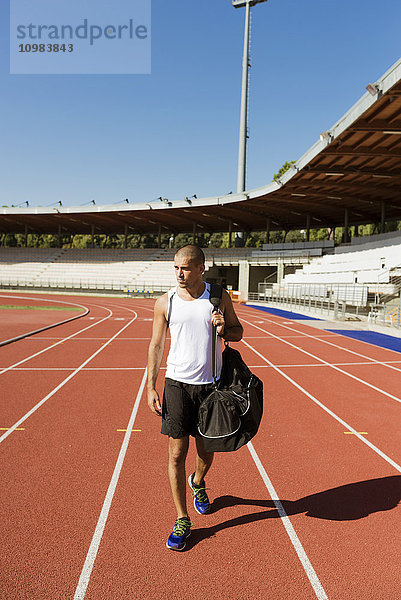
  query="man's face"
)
[{"x": 188, "y": 274}]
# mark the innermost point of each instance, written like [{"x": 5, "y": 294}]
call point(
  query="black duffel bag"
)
[{"x": 230, "y": 415}]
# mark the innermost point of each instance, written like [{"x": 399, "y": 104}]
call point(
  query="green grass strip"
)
[{"x": 12, "y": 307}]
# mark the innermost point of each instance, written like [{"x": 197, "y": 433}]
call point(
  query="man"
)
[{"x": 187, "y": 311}]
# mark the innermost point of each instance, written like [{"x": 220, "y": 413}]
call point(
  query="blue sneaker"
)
[
  {"x": 201, "y": 501},
  {"x": 182, "y": 531}
]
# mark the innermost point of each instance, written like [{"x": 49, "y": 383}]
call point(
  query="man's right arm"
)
[{"x": 155, "y": 353}]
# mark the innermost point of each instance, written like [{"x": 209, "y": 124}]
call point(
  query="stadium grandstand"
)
[{"x": 350, "y": 177}]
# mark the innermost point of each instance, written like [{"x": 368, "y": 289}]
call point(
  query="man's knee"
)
[
  {"x": 178, "y": 449},
  {"x": 205, "y": 456}
]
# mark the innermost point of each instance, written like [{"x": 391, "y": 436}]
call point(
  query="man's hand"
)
[
  {"x": 219, "y": 322},
  {"x": 226, "y": 321},
  {"x": 154, "y": 402}
]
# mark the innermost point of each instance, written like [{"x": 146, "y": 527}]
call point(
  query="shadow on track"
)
[{"x": 345, "y": 503}]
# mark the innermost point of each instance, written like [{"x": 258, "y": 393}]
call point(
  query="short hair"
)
[{"x": 192, "y": 252}]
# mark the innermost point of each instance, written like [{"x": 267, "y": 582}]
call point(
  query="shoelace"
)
[
  {"x": 181, "y": 526},
  {"x": 200, "y": 494}
]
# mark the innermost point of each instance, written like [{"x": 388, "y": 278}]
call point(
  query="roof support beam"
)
[
  {"x": 362, "y": 151},
  {"x": 338, "y": 188},
  {"x": 333, "y": 170},
  {"x": 379, "y": 125}
]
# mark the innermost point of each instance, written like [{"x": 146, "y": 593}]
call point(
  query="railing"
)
[
  {"x": 353, "y": 294},
  {"x": 382, "y": 314},
  {"x": 261, "y": 257},
  {"x": 113, "y": 286},
  {"x": 334, "y": 300}
]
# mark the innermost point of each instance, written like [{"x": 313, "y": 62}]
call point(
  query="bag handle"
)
[
  {"x": 214, "y": 354},
  {"x": 215, "y": 294}
]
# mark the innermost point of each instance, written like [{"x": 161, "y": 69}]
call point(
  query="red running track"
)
[
  {"x": 309, "y": 510},
  {"x": 16, "y": 318}
]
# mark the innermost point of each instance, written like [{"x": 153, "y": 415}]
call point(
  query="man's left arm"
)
[{"x": 227, "y": 322}]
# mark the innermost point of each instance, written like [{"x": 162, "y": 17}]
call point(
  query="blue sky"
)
[{"x": 174, "y": 132}]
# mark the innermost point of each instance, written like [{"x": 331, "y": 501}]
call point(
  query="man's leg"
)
[
  {"x": 177, "y": 453},
  {"x": 203, "y": 462}
]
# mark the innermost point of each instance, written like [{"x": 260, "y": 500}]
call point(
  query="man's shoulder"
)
[{"x": 161, "y": 302}]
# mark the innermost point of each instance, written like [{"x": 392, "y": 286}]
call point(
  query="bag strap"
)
[
  {"x": 215, "y": 294},
  {"x": 170, "y": 305}
]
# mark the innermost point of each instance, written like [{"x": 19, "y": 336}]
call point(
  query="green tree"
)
[{"x": 287, "y": 165}]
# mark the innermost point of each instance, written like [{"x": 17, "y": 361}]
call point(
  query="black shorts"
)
[{"x": 180, "y": 407}]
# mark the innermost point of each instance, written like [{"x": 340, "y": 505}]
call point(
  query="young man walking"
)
[{"x": 187, "y": 311}]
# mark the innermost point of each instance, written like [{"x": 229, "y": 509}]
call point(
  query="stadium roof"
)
[{"x": 351, "y": 175}]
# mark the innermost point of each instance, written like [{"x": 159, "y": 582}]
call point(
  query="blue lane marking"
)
[
  {"x": 283, "y": 313},
  {"x": 372, "y": 337}
]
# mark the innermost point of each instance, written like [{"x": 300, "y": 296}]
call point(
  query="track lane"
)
[
  {"x": 376, "y": 414},
  {"x": 25, "y": 350},
  {"x": 358, "y": 348},
  {"x": 25, "y": 322},
  {"x": 342, "y": 504},
  {"x": 86, "y": 572},
  {"x": 54, "y": 482},
  {"x": 338, "y": 417},
  {"x": 331, "y": 365},
  {"x": 69, "y": 451},
  {"x": 22, "y": 419},
  {"x": 329, "y": 484},
  {"x": 232, "y": 553}
]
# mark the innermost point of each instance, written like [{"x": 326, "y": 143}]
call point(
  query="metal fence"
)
[
  {"x": 382, "y": 314},
  {"x": 115, "y": 286},
  {"x": 336, "y": 300}
]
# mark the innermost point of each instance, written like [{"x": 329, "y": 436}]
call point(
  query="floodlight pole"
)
[{"x": 241, "y": 180}]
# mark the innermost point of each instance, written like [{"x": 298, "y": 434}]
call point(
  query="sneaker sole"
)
[
  {"x": 179, "y": 549},
  {"x": 205, "y": 512}
]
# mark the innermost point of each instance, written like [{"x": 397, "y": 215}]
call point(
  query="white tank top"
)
[{"x": 190, "y": 356}]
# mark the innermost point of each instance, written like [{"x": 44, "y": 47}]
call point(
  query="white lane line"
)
[
  {"x": 357, "y": 364},
  {"x": 96, "y": 339},
  {"x": 85, "y": 369},
  {"x": 315, "y": 337},
  {"x": 97, "y": 536},
  {"x": 332, "y": 366},
  {"x": 287, "y": 337},
  {"x": 330, "y": 412},
  {"x": 66, "y": 380},
  {"x": 57, "y": 343},
  {"x": 306, "y": 365},
  {"x": 299, "y": 549}
]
